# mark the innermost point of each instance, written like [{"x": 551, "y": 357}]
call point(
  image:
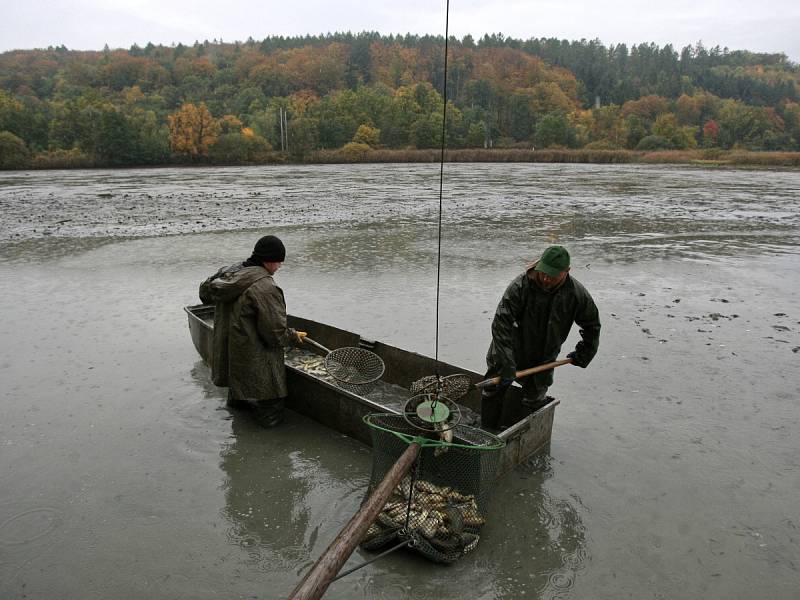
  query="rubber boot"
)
[
  {"x": 269, "y": 413},
  {"x": 236, "y": 403},
  {"x": 492, "y": 407}
]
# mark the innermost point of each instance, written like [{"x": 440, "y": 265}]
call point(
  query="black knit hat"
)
[{"x": 269, "y": 249}]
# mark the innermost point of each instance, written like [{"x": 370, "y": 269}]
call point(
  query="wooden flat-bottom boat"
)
[{"x": 316, "y": 397}]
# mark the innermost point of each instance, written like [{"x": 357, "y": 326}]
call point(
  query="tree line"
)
[{"x": 282, "y": 97}]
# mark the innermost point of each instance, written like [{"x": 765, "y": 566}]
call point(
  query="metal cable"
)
[
  {"x": 372, "y": 560},
  {"x": 413, "y": 481},
  {"x": 441, "y": 180}
]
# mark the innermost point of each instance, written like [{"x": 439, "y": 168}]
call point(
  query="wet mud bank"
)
[{"x": 674, "y": 467}]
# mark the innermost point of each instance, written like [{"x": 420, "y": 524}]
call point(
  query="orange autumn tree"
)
[{"x": 193, "y": 130}]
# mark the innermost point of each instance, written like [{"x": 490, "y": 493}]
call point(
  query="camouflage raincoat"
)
[
  {"x": 531, "y": 324},
  {"x": 249, "y": 332}
]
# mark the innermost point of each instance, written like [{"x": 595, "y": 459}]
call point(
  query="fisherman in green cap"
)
[{"x": 532, "y": 321}]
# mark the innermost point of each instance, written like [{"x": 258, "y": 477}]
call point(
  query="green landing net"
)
[{"x": 439, "y": 508}]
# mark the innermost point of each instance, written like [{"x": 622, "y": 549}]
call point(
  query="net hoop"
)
[
  {"x": 493, "y": 442},
  {"x": 354, "y": 369}
]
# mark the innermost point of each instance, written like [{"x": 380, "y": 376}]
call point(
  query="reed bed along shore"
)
[{"x": 707, "y": 157}]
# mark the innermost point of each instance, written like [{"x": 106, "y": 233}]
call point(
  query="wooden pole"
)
[
  {"x": 317, "y": 580},
  {"x": 526, "y": 372}
]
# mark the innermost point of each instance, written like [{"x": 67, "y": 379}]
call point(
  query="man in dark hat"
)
[
  {"x": 532, "y": 321},
  {"x": 250, "y": 331}
]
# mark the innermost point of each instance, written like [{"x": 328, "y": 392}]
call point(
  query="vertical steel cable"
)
[{"x": 441, "y": 181}]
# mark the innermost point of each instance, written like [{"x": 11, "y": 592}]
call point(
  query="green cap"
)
[{"x": 554, "y": 261}]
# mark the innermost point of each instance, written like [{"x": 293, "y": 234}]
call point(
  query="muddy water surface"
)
[{"x": 674, "y": 469}]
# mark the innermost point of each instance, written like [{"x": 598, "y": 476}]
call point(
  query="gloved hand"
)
[
  {"x": 576, "y": 360},
  {"x": 507, "y": 376},
  {"x": 298, "y": 335}
]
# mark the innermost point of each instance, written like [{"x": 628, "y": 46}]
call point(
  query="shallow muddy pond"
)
[{"x": 674, "y": 468}]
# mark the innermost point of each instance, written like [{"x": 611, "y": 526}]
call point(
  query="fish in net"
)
[{"x": 440, "y": 507}]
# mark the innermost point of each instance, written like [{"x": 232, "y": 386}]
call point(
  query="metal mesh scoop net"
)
[
  {"x": 450, "y": 386},
  {"x": 353, "y": 369},
  {"x": 439, "y": 508},
  {"x": 356, "y": 370}
]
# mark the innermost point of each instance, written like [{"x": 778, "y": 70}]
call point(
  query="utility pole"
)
[
  {"x": 286, "y": 128},
  {"x": 280, "y": 118}
]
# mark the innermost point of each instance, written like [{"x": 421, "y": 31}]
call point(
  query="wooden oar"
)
[
  {"x": 526, "y": 372},
  {"x": 317, "y": 580}
]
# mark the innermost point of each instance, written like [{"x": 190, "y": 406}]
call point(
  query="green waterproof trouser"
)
[{"x": 492, "y": 398}]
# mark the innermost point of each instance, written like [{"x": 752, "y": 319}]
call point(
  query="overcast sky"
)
[{"x": 766, "y": 26}]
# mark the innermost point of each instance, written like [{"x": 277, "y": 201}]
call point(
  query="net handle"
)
[
  {"x": 525, "y": 372},
  {"x": 307, "y": 340}
]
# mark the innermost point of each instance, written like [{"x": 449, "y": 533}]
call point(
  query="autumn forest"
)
[{"x": 349, "y": 96}]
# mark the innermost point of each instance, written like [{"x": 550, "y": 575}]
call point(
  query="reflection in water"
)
[
  {"x": 201, "y": 375},
  {"x": 544, "y": 541},
  {"x": 285, "y": 488},
  {"x": 265, "y": 497},
  {"x": 533, "y": 546},
  {"x": 266, "y": 485}
]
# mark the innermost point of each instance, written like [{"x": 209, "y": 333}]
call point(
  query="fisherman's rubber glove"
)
[
  {"x": 298, "y": 335},
  {"x": 576, "y": 360},
  {"x": 507, "y": 376}
]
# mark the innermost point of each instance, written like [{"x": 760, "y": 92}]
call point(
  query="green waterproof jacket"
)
[
  {"x": 249, "y": 332},
  {"x": 531, "y": 325}
]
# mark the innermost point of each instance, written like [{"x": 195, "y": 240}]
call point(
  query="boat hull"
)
[{"x": 343, "y": 410}]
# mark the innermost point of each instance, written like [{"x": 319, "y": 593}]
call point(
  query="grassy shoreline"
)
[
  {"x": 706, "y": 158},
  {"x": 712, "y": 157}
]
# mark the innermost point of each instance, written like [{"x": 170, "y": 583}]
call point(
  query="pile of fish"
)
[
  {"x": 306, "y": 361},
  {"x": 312, "y": 364},
  {"x": 443, "y": 521}
]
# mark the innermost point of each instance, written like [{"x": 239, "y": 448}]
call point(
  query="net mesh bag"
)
[
  {"x": 355, "y": 369},
  {"x": 440, "y": 506}
]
